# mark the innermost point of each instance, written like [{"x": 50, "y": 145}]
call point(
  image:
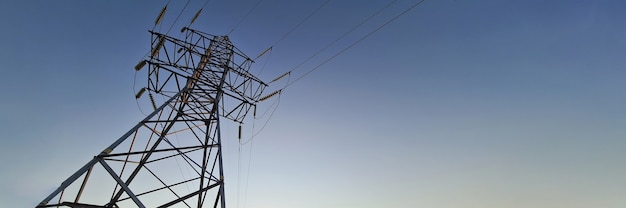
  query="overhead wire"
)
[
  {"x": 178, "y": 17},
  {"x": 342, "y": 36},
  {"x": 274, "y": 105},
  {"x": 343, "y": 50},
  {"x": 254, "y": 134},
  {"x": 238, "y": 173},
  {"x": 245, "y": 16},
  {"x": 245, "y": 196},
  {"x": 250, "y": 146},
  {"x": 356, "y": 42},
  {"x": 289, "y": 82},
  {"x": 205, "y": 3},
  {"x": 276, "y": 102},
  {"x": 195, "y": 17},
  {"x": 301, "y": 22},
  {"x": 270, "y": 50},
  {"x": 249, "y": 141}
]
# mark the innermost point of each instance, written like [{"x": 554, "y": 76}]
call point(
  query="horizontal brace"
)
[
  {"x": 179, "y": 120},
  {"x": 160, "y": 150},
  {"x": 151, "y": 191},
  {"x": 191, "y": 195},
  {"x": 79, "y": 205},
  {"x": 120, "y": 160}
]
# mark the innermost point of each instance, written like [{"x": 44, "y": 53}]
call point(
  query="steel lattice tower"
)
[{"x": 202, "y": 79}]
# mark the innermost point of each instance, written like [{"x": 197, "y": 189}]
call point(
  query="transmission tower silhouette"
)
[{"x": 203, "y": 79}]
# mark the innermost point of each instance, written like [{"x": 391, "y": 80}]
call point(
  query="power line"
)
[
  {"x": 177, "y": 17},
  {"x": 356, "y": 42},
  {"x": 245, "y": 16},
  {"x": 343, "y": 36},
  {"x": 289, "y": 83},
  {"x": 301, "y": 22}
]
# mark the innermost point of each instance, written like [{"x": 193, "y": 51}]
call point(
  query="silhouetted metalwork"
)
[{"x": 172, "y": 158}]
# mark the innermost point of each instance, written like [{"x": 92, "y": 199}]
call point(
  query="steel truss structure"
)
[{"x": 173, "y": 157}]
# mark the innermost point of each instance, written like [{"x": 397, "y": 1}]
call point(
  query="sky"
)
[{"x": 457, "y": 103}]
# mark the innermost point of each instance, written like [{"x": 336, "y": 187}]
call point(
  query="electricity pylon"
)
[{"x": 173, "y": 157}]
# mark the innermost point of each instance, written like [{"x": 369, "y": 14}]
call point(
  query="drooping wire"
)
[
  {"x": 135, "y": 93},
  {"x": 245, "y": 195},
  {"x": 275, "y": 105},
  {"x": 270, "y": 51},
  {"x": 245, "y": 16},
  {"x": 238, "y": 172},
  {"x": 357, "y": 42}
]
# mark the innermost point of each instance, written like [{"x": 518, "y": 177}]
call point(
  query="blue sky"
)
[{"x": 456, "y": 104}]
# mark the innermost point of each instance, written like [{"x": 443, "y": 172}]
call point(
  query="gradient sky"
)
[{"x": 457, "y": 104}]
